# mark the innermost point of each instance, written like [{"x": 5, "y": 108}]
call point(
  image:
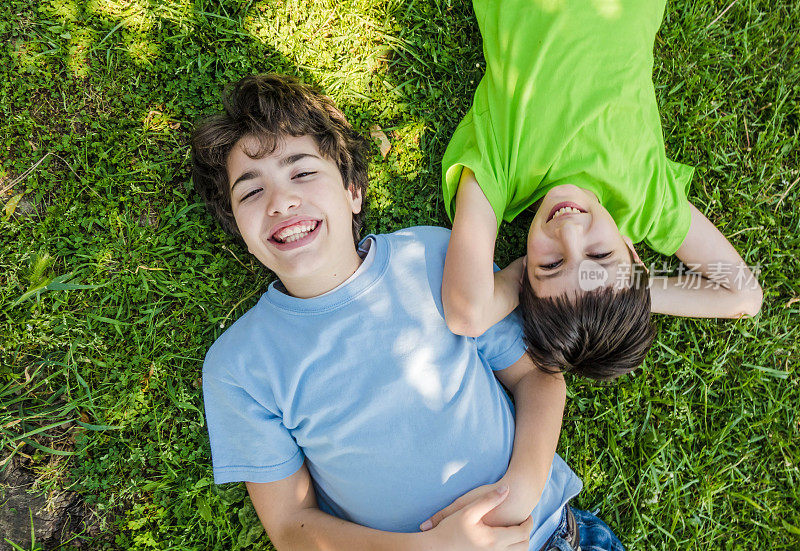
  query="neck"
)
[{"x": 327, "y": 280}]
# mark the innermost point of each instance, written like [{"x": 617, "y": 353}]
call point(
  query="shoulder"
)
[
  {"x": 417, "y": 257},
  {"x": 233, "y": 345},
  {"x": 432, "y": 239}
]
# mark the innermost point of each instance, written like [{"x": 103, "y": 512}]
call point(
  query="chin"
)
[
  {"x": 301, "y": 270},
  {"x": 565, "y": 191}
]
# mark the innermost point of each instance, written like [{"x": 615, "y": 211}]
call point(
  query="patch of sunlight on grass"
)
[
  {"x": 135, "y": 15},
  {"x": 25, "y": 53},
  {"x": 380, "y": 197},
  {"x": 406, "y": 139},
  {"x": 79, "y": 47},
  {"x": 105, "y": 258},
  {"x": 179, "y": 12},
  {"x": 142, "y": 51},
  {"x": 338, "y": 45},
  {"x": 65, "y": 10}
]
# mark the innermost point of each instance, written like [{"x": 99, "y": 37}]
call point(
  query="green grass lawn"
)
[{"x": 114, "y": 281}]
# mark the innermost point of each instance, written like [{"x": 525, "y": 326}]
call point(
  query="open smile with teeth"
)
[
  {"x": 295, "y": 232},
  {"x": 565, "y": 210}
]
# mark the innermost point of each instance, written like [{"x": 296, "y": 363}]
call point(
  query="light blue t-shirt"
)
[{"x": 394, "y": 415}]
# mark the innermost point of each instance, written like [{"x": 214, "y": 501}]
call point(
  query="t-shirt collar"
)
[{"x": 344, "y": 293}]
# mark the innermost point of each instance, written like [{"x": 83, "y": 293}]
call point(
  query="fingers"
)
[
  {"x": 477, "y": 509},
  {"x": 451, "y": 509},
  {"x": 514, "y": 536},
  {"x": 434, "y": 521},
  {"x": 442, "y": 514},
  {"x": 439, "y": 516}
]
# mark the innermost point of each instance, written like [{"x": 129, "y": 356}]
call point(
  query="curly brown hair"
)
[{"x": 270, "y": 107}]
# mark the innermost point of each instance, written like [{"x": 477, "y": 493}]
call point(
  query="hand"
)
[
  {"x": 465, "y": 529},
  {"x": 511, "y": 511}
]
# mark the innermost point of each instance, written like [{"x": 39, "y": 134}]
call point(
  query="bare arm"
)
[
  {"x": 473, "y": 295},
  {"x": 288, "y": 510},
  {"x": 726, "y": 287},
  {"x": 539, "y": 398}
]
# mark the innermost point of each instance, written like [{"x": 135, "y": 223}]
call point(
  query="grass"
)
[{"x": 115, "y": 281}]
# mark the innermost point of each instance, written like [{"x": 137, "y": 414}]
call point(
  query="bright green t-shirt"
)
[{"x": 568, "y": 98}]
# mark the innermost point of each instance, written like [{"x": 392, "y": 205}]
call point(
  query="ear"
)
[
  {"x": 635, "y": 255},
  {"x": 356, "y": 199}
]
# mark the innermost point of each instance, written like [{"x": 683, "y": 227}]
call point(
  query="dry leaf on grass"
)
[
  {"x": 11, "y": 206},
  {"x": 146, "y": 378},
  {"x": 380, "y": 137}
]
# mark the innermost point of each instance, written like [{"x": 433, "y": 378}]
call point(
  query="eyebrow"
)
[
  {"x": 286, "y": 161},
  {"x": 605, "y": 265}
]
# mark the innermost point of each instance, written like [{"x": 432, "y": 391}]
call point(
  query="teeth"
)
[
  {"x": 293, "y": 233},
  {"x": 565, "y": 210},
  {"x": 294, "y": 237}
]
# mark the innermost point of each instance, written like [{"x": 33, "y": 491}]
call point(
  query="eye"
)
[
  {"x": 302, "y": 175},
  {"x": 599, "y": 255},
  {"x": 250, "y": 194},
  {"x": 553, "y": 265}
]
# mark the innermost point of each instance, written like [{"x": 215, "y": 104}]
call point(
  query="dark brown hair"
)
[
  {"x": 270, "y": 107},
  {"x": 600, "y": 334}
]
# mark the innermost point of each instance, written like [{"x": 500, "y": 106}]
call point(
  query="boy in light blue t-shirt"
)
[{"x": 356, "y": 418}]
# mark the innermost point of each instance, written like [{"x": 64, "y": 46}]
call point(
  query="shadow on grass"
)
[{"x": 116, "y": 209}]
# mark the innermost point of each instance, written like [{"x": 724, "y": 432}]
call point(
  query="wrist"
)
[
  {"x": 522, "y": 490},
  {"x": 517, "y": 506},
  {"x": 429, "y": 541}
]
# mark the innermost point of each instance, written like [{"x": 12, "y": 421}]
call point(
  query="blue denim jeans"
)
[{"x": 594, "y": 533}]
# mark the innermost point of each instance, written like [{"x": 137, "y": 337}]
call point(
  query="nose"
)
[
  {"x": 571, "y": 234},
  {"x": 282, "y": 199}
]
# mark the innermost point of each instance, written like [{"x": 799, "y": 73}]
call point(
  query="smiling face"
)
[
  {"x": 574, "y": 245},
  {"x": 294, "y": 213}
]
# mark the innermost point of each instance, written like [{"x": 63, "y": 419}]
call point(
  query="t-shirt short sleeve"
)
[
  {"x": 248, "y": 441},
  {"x": 502, "y": 344},
  {"x": 671, "y": 225},
  {"x": 468, "y": 149}
]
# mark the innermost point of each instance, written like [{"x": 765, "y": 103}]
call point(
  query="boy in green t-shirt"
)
[{"x": 566, "y": 115}]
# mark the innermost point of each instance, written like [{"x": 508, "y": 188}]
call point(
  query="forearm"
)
[
  {"x": 289, "y": 512},
  {"x": 705, "y": 298},
  {"x": 312, "y": 529},
  {"x": 539, "y": 402}
]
